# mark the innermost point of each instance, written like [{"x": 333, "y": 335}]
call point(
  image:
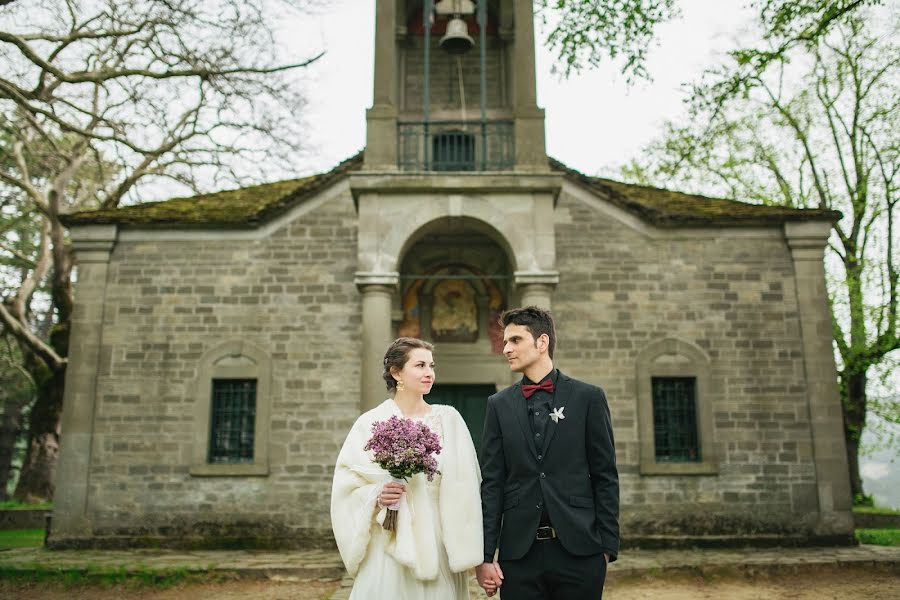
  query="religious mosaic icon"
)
[{"x": 454, "y": 312}]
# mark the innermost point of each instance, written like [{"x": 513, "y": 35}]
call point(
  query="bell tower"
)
[
  {"x": 455, "y": 197},
  {"x": 454, "y": 88}
]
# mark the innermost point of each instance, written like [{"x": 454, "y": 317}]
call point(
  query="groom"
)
[{"x": 550, "y": 489}]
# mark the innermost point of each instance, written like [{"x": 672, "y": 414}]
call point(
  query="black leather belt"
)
[{"x": 545, "y": 533}]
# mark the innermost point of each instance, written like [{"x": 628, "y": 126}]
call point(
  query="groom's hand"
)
[{"x": 490, "y": 577}]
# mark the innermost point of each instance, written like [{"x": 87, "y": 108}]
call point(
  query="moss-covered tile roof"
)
[
  {"x": 241, "y": 208},
  {"x": 250, "y": 206},
  {"x": 666, "y": 208}
]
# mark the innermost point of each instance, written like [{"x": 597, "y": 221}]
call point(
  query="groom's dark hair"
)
[{"x": 536, "y": 320}]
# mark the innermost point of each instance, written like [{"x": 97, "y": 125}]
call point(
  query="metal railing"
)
[{"x": 456, "y": 146}]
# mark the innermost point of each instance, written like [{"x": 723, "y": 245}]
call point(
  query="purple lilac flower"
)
[{"x": 404, "y": 447}]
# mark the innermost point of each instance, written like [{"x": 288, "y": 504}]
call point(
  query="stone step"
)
[{"x": 326, "y": 564}]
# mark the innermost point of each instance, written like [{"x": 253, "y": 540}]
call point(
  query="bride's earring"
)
[{"x": 400, "y": 386}]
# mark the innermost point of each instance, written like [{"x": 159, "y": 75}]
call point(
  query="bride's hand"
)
[
  {"x": 391, "y": 494},
  {"x": 490, "y": 577}
]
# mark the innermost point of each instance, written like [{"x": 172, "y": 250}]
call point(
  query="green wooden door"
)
[{"x": 469, "y": 400}]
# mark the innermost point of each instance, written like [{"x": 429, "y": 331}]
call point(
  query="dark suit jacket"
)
[{"x": 576, "y": 473}]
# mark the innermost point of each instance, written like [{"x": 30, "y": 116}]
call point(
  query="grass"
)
[
  {"x": 134, "y": 577},
  {"x": 875, "y": 510},
  {"x": 879, "y": 537},
  {"x": 13, "y": 505},
  {"x": 21, "y": 538}
]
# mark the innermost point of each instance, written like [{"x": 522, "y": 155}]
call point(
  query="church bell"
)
[{"x": 457, "y": 39}]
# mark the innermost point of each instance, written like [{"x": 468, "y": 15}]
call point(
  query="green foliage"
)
[
  {"x": 870, "y": 509},
  {"x": 21, "y": 538},
  {"x": 584, "y": 33},
  {"x": 787, "y": 26},
  {"x": 806, "y": 20},
  {"x": 883, "y": 404},
  {"x": 861, "y": 500},
  {"x": 879, "y": 537},
  {"x": 16, "y": 395},
  {"x": 17, "y": 384}
]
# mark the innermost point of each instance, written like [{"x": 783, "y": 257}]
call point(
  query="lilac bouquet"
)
[{"x": 403, "y": 448}]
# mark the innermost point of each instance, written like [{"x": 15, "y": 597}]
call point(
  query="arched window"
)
[
  {"x": 232, "y": 402},
  {"x": 675, "y": 395}
]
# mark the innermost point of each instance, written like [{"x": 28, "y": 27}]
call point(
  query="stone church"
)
[{"x": 222, "y": 345}]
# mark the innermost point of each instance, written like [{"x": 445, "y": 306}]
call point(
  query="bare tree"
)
[
  {"x": 99, "y": 97},
  {"x": 820, "y": 131}
]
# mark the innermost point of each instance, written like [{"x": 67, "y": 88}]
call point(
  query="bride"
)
[{"x": 438, "y": 535}]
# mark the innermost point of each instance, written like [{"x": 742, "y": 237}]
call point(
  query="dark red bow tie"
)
[{"x": 528, "y": 389}]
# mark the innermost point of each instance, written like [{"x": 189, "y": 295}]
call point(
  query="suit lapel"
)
[
  {"x": 560, "y": 398},
  {"x": 520, "y": 407}
]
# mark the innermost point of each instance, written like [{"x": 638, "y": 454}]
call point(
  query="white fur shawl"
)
[{"x": 358, "y": 480}]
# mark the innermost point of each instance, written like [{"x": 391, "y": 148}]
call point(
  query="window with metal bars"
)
[
  {"x": 675, "y": 419},
  {"x": 453, "y": 151},
  {"x": 233, "y": 421}
]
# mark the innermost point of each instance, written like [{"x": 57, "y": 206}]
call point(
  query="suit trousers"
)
[{"x": 549, "y": 572}]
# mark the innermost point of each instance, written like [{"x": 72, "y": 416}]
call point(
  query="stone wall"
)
[
  {"x": 729, "y": 293},
  {"x": 444, "y": 77},
  {"x": 23, "y": 518},
  {"x": 171, "y": 301},
  {"x": 725, "y": 295}
]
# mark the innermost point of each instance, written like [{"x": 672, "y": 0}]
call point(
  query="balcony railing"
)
[{"x": 456, "y": 146}]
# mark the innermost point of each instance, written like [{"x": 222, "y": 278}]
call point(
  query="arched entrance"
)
[
  {"x": 452, "y": 227},
  {"x": 454, "y": 282}
]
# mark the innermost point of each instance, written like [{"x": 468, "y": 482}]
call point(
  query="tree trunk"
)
[
  {"x": 856, "y": 486},
  {"x": 10, "y": 428},
  {"x": 854, "y": 405},
  {"x": 39, "y": 467},
  {"x": 36, "y": 481}
]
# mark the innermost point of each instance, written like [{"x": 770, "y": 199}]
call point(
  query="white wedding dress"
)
[{"x": 381, "y": 576}]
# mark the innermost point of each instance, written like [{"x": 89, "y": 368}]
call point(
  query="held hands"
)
[
  {"x": 391, "y": 494},
  {"x": 490, "y": 577}
]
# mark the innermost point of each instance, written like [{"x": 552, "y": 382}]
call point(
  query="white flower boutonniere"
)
[{"x": 557, "y": 414}]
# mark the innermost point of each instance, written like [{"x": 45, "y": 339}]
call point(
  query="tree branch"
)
[
  {"x": 22, "y": 297},
  {"x": 18, "y": 254},
  {"x": 23, "y": 183},
  {"x": 34, "y": 343},
  {"x": 103, "y": 76}
]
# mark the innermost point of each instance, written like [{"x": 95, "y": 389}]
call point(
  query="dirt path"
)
[
  {"x": 237, "y": 590},
  {"x": 833, "y": 583},
  {"x": 837, "y": 583}
]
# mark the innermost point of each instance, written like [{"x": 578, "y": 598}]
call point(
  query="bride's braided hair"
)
[{"x": 396, "y": 356}]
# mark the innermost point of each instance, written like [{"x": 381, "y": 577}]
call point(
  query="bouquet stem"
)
[{"x": 390, "y": 518}]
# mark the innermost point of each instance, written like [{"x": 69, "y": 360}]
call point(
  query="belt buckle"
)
[{"x": 545, "y": 533}]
